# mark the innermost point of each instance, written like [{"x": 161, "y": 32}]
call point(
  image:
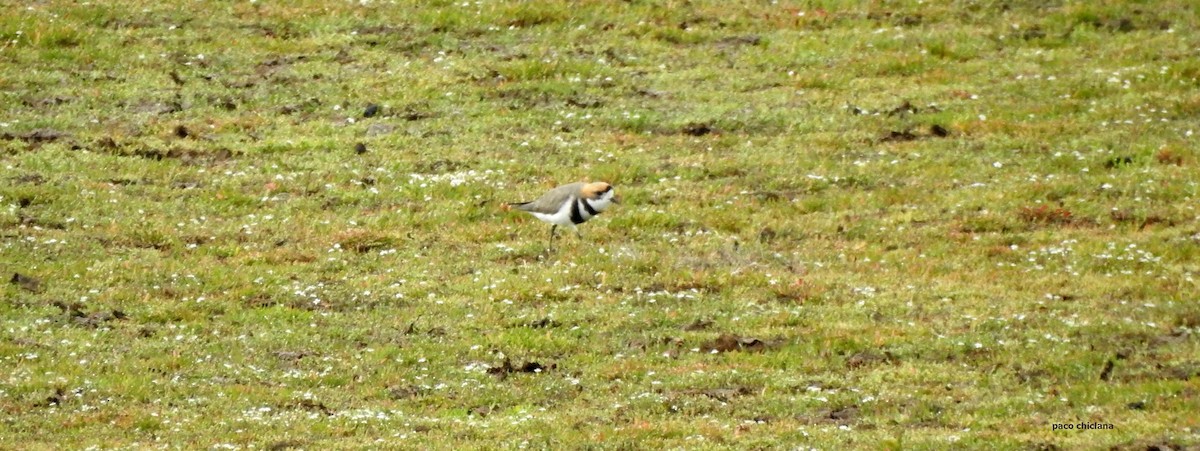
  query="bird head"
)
[{"x": 601, "y": 194}]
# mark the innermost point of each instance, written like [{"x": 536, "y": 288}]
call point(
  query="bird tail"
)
[{"x": 508, "y": 206}]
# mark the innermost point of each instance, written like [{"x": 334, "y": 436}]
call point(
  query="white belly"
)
[{"x": 560, "y": 217}]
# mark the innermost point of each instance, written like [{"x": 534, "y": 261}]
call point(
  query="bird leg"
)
[{"x": 552, "y": 229}]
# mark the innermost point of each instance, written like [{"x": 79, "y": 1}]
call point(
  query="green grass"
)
[{"x": 930, "y": 225}]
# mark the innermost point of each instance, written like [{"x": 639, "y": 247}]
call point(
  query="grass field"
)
[{"x": 845, "y": 225}]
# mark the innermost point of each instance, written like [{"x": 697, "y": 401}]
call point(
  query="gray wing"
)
[{"x": 550, "y": 202}]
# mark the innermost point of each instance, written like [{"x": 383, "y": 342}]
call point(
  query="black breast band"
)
[
  {"x": 587, "y": 206},
  {"x": 576, "y": 217}
]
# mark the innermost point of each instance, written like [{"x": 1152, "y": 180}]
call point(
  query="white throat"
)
[{"x": 602, "y": 203}]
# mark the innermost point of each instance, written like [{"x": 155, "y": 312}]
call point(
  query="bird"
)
[{"x": 570, "y": 205}]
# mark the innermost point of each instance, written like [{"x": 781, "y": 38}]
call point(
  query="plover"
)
[{"x": 570, "y": 205}]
